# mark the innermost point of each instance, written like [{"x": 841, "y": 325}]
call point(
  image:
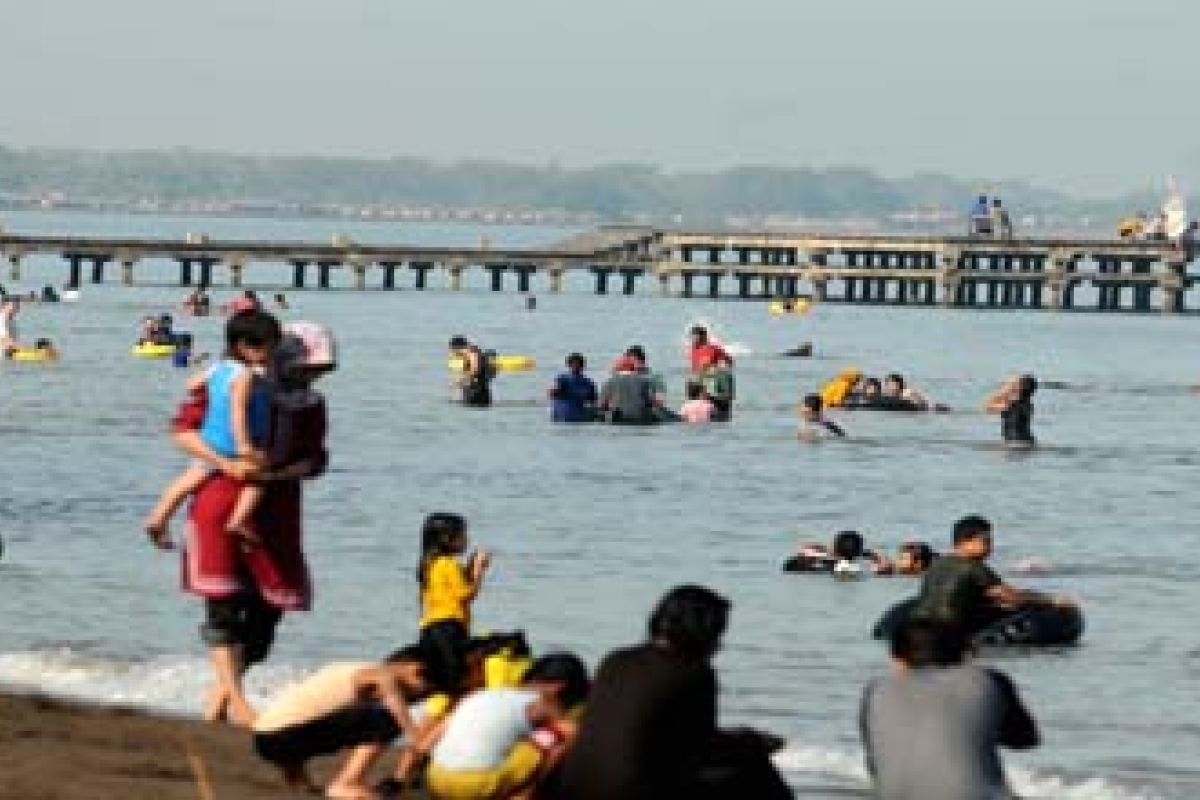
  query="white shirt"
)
[{"x": 483, "y": 728}]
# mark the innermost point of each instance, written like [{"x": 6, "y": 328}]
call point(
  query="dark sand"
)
[{"x": 51, "y": 749}]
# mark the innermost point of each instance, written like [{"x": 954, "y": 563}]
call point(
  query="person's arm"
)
[
  {"x": 191, "y": 443},
  {"x": 834, "y": 428},
  {"x": 1018, "y": 729},
  {"x": 378, "y": 683},
  {"x": 999, "y": 399},
  {"x": 476, "y": 571}
]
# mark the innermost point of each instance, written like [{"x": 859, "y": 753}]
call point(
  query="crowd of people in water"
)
[{"x": 473, "y": 716}]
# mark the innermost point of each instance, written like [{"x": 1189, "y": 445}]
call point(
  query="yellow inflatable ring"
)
[
  {"x": 151, "y": 350},
  {"x": 502, "y": 363},
  {"x": 31, "y": 354},
  {"x": 781, "y": 307},
  {"x": 834, "y": 393}
]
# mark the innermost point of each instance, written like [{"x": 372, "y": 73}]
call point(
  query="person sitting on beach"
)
[
  {"x": 1013, "y": 401},
  {"x": 357, "y": 705},
  {"x": 573, "y": 396},
  {"x": 650, "y": 731},
  {"x": 448, "y": 587},
  {"x": 627, "y": 397},
  {"x": 844, "y": 558},
  {"x": 961, "y": 589},
  {"x": 813, "y": 424},
  {"x": 498, "y": 743},
  {"x": 9, "y": 342},
  {"x": 698, "y": 408},
  {"x": 236, "y": 421},
  {"x": 932, "y": 728}
]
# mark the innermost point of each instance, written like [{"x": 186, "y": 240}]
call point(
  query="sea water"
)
[{"x": 589, "y": 525}]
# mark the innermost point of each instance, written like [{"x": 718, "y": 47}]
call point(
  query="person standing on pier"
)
[
  {"x": 1001, "y": 222},
  {"x": 981, "y": 218}
]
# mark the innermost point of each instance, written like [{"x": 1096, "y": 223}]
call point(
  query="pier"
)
[{"x": 951, "y": 272}]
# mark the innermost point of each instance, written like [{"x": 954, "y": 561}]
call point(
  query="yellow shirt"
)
[{"x": 446, "y": 592}]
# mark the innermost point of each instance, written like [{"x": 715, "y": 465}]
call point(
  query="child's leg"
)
[
  {"x": 243, "y": 511},
  {"x": 351, "y": 779},
  {"x": 178, "y": 491}
]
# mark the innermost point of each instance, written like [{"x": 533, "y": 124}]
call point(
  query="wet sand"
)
[{"x": 52, "y": 749}]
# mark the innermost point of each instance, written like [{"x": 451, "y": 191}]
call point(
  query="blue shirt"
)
[
  {"x": 217, "y": 428},
  {"x": 574, "y": 398}
]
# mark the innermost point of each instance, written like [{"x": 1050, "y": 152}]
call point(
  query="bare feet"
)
[
  {"x": 160, "y": 537},
  {"x": 350, "y": 791}
]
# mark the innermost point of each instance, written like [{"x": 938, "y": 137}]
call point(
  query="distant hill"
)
[{"x": 614, "y": 193}]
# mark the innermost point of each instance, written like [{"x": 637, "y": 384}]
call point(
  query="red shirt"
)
[{"x": 705, "y": 354}]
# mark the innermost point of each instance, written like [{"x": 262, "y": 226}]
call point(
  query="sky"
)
[{"x": 1090, "y": 96}]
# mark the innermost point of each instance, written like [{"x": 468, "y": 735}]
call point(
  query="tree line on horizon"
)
[{"x": 614, "y": 192}]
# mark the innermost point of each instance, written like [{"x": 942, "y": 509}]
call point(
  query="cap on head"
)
[{"x": 307, "y": 344}]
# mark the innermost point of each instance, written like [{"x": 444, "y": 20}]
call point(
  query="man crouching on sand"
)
[{"x": 356, "y": 705}]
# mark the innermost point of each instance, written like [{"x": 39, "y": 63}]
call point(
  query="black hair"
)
[
  {"x": 699, "y": 331},
  {"x": 896, "y": 378},
  {"x": 252, "y": 328},
  {"x": 813, "y": 402},
  {"x": 413, "y": 653},
  {"x": 183, "y": 340},
  {"x": 690, "y": 619},
  {"x": 165, "y": 318},
  {"x": 250, "y": 294},
  {"x": 576, "y": 359},
  {"x": 42, "y": 344},
  {"x": 458, "y": 342},
  {"x": 874, "y": 382},
  {"x": 1026, "y": 386},
  {"x": 438, "y": 535},
  {"x": 969, "y": 527},
  {"x": 637, "y": 351},
  {"x": 920, "y": 642},
  {"x": 848, "y": 545},
  {"x": 695, "y": 390},
  {"x": 565, "y": 668},
  {"x": 921, "y": 552}
]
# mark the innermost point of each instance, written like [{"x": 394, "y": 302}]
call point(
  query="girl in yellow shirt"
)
[{"x": 447, "y": 590}]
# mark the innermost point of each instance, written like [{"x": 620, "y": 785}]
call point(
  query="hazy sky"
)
[{"x": 1092, "y": 95}]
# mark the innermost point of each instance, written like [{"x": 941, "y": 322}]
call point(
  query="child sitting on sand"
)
[
  {"x": 236, "y": 420},
  {"x": 447, "y": 590}
]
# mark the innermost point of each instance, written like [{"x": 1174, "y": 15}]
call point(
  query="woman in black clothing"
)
[
  {"x": 1014, "y": 403},
  {"x": 651, "y": 732}
]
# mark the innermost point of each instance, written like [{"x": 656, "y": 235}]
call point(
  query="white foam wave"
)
[
  {"x": 847, "y": 767},
  {"x": 173, "y": 684}
]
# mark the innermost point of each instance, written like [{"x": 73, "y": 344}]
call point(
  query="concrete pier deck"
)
[{"x": 957, "y": 272}]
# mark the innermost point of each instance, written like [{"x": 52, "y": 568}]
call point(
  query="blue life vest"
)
[{"x": 217, "y": 429}]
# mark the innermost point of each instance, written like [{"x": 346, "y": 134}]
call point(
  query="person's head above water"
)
[
  {"x": 848, "y": 545},
  {"x": 918, "y": 643},
  {"x": 251, "y": 337},
  {"x": 576, "y": 362},
  {"x": 638, "y": 353},
  {"x": 695, "y": 391},
  {"x": 914, "y": 558},
  {"x": 699, "y": 335},
  {"x": 872, "y": 387},
  {"x": 893, "y": 385},
  {"x": 690, "y": 621},
  {"x": 810, "y": 406},
  {"x": 459, "y": 342},
  {"x": 1026, "y": 387},
  {"x": 973, "y": 537}
]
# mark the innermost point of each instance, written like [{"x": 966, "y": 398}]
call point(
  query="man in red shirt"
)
[{"x": 704, "y": 352}]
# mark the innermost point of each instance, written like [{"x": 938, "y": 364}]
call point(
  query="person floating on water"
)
[
  {"x": 813, "y": 424},
  {"x": 961, "y": 589},
  {"x": 931, "y": 729},
  {"x": 842, "y": 559},
  {"x": 473, "y": 379},
  {"x": 236, "y": 422},
  {"x": 573, "y": 396},
  {"x": 1013, "y": 401},
  {"x": 447, "y": 587}
]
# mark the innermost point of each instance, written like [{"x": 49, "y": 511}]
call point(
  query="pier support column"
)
[
  {"x": 323, "y": 270},
  {"x": 389, "y": 274},
  {"x": 688, "y": 277},
  {"x": 821, "y": 289},
  {"x": 714, "y": 285},
  {"x": 236, "y": 271},
  {"x": 360, "y": 276},
  {"x": 14, "y": 267},
  {"x": 497, "y": 273},
  {"x": 421, "y": 271},
  {"x": 206, "y": 266},
  {"x": 185, "y": 272},
  {"x": 629, "y": 276},
  {"x": 127, "y": 272},
  {"x": 98, "y": 263},
  {"x": 298, "y": 270},
  {"x": 1172, "y": 285},
  {"x": 850, "y": 290},
  {"x": 455, "y": 271},
  {"x": 556, "y": 278},
  {"x": 601, "y": 274},
  {"x": 524, "y": 273},
  {"x": 902, "y": 292},
  {"x": 664, "y": 283}
]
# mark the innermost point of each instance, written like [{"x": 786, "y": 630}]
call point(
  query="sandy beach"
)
[{"x": 52, "y": 749}]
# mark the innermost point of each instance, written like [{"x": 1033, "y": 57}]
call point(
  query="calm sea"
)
[{"x": 589, "y": 525}]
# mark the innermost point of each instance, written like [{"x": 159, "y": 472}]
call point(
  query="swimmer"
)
[
  {"x": 47, "y": 349},
  {"x": 913, "y": 558},
  {"x": 802, "y": 350},
  {"x": 842, "y": 559},
  {"x": 1013, "y": 401},
  {"x": 814, "y": 426},
  {"x": 896, "y": 389}
]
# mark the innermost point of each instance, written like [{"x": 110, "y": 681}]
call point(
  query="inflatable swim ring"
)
[
  {"x": 1043, "y": 626},
  {"x": 31, "y": 354},
  {"x": 151, "y": 350},
  {"x": 778, "y": 308},
  {"x": 834, "y": 393},
  {"x": 502, "y": 363}
]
